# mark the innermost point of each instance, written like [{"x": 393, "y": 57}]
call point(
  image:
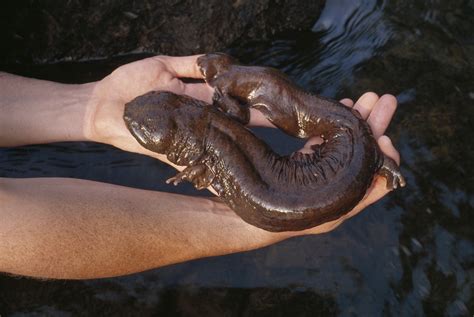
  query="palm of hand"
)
[{"x": 132, "y": 80}]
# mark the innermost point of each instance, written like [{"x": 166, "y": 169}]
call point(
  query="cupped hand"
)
[
  {"x": 104, "y": 122},
  {"x": 378, "y": 111}
]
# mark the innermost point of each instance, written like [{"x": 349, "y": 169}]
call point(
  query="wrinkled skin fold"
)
[{"x": 273, "y": 192}]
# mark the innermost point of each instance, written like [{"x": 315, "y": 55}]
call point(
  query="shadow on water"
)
[{"x": 410, "y": 254}]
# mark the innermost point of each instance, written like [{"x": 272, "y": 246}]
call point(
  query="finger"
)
[
  {"x": 347, "y": 102},
  {"x": 365, "y": 104},
  {"x": 388, "y": 149},
  {"x": 182, "y": 66},
  {"x": 381, "y": 114}
]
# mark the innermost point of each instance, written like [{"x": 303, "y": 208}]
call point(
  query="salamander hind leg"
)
[
  {"x": 391, "y": 171},
  {"x": 199, "y": 175}
]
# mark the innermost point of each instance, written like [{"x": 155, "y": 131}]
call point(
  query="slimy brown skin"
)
[{"x": 273, "y": 192}]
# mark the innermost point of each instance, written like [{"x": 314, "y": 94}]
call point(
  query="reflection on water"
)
[
  {"x": 323, "y": 59},
  {"x": 410, "y": 254}
]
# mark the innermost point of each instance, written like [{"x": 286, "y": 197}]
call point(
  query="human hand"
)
[
  {"x": 378, "y": 111},
  {"x": 104, "y": 119}
]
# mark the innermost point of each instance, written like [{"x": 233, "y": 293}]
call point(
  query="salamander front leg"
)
[
  {"x": 231, "y": 107},
  {"x": 199, "y": 175},
  {"x": 391, "y": 172}
]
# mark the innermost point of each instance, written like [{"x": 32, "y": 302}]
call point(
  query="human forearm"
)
[
  {"x": 35, "y": 111},
  {"x": 65, "y": 228}
]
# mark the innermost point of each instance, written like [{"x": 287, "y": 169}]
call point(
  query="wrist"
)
[
  {"x": 66, "y": 116},
  {"x": 103, "y": 121},
  {"x": 35, "y": 111},
  {"x": 91, "y": 104},
  {"x": 76, "y": 109}
]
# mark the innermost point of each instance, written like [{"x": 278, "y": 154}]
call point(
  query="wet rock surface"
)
[{"x": 46, "y": 31}]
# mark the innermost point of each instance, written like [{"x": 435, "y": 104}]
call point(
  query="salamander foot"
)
[
  {"x": 198, "y": 174},
  {"x": 391, "y": 171}
]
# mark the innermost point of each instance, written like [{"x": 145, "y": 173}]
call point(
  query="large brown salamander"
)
[{"x": 273, "y": 192}]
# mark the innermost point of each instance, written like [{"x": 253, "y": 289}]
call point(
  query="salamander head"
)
[{"x": 148, "y": 119}]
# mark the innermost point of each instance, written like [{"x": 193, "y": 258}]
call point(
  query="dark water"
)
[{"x": 410, "y": 254}]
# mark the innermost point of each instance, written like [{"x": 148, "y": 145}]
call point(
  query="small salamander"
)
[{"x": 267, "y": 190}]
